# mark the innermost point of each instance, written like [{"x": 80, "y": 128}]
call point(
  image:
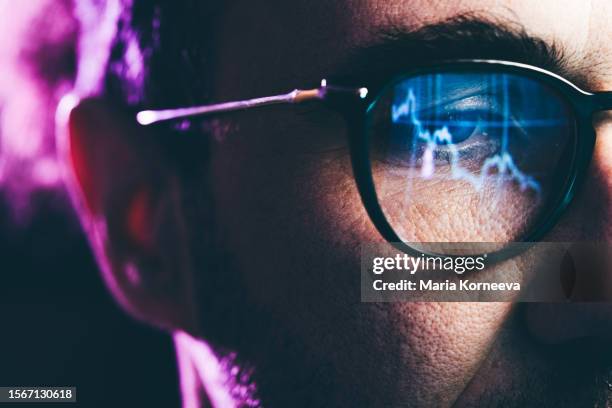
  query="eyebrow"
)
[{"x": 396, "y": 49}]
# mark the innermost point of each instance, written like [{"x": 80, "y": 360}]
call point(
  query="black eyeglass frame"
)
[{"x": 356, "y": 103}]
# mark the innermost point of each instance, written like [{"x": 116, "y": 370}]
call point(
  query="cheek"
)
[
  {"x": 286, "y": 204},
  {"x": 292, "y": 221},
  {"x": 445, "y": 344}
]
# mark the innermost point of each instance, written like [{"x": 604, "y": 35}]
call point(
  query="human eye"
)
[
  {"x": 450, "y": 145},
  {"x": 468, "y": 129}
]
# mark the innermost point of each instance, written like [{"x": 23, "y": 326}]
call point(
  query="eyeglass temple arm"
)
[{"x": 148, "y": 117}]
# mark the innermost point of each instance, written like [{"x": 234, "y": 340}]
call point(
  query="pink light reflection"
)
[
  {"x": 197, "y": 361},
  {"x": 30, "y": 84}
]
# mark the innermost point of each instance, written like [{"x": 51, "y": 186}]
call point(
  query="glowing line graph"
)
[{"x": 503, "y": 162}]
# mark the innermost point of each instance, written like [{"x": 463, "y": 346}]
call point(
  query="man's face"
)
[{"x": 290, "y": 221}]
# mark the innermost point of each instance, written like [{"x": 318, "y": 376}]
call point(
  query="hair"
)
[{"x": 148, "y": 52}]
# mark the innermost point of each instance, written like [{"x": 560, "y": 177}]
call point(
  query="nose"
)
[{"x": 589, "y": 222}]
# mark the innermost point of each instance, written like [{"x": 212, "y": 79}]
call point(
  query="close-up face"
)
[{"x": 275, "y": 222}]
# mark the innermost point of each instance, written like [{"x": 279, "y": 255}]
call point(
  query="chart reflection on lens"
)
[{"x": 468, "y": 157}]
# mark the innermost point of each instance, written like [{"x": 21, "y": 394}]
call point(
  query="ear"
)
[{"x": 128, "y": 197}]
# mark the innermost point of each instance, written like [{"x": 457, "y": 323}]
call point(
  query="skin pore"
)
[{"x": 280, "y": 221}]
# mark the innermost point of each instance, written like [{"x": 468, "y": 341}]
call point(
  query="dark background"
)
[{"x": 59, "y": 325}]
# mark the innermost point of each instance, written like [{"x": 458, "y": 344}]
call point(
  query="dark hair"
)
[
  {"x": 172, "y": 41},
  {"x": 158, "y": 57}
]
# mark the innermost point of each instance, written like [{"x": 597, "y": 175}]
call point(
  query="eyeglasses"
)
[{"x": 467, "y": 151}]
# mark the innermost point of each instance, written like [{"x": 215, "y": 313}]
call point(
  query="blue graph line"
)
[{"x": 502, "y": 162}]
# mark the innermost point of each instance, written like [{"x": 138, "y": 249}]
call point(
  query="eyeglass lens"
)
[{"x": 469, "y": 156}]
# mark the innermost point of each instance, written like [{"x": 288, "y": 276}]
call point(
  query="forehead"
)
[{"x": 282, "y": 42}]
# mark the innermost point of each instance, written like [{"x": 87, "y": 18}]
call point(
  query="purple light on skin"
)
[
  {"x": 46, "y": 172},
  {"x": 27, "y": 160},
  {"x": 199, "y": 368},
  {"x": 98, "y": 25},
  {"x": 21, "y": 134},
  {"x": 27, "y": 152},
  {"x": 2, "y": 165},
  {"x": 188, "y": 379},
  {"x": 131, "y": 272},
  {"x": 64, "y": 107}
]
